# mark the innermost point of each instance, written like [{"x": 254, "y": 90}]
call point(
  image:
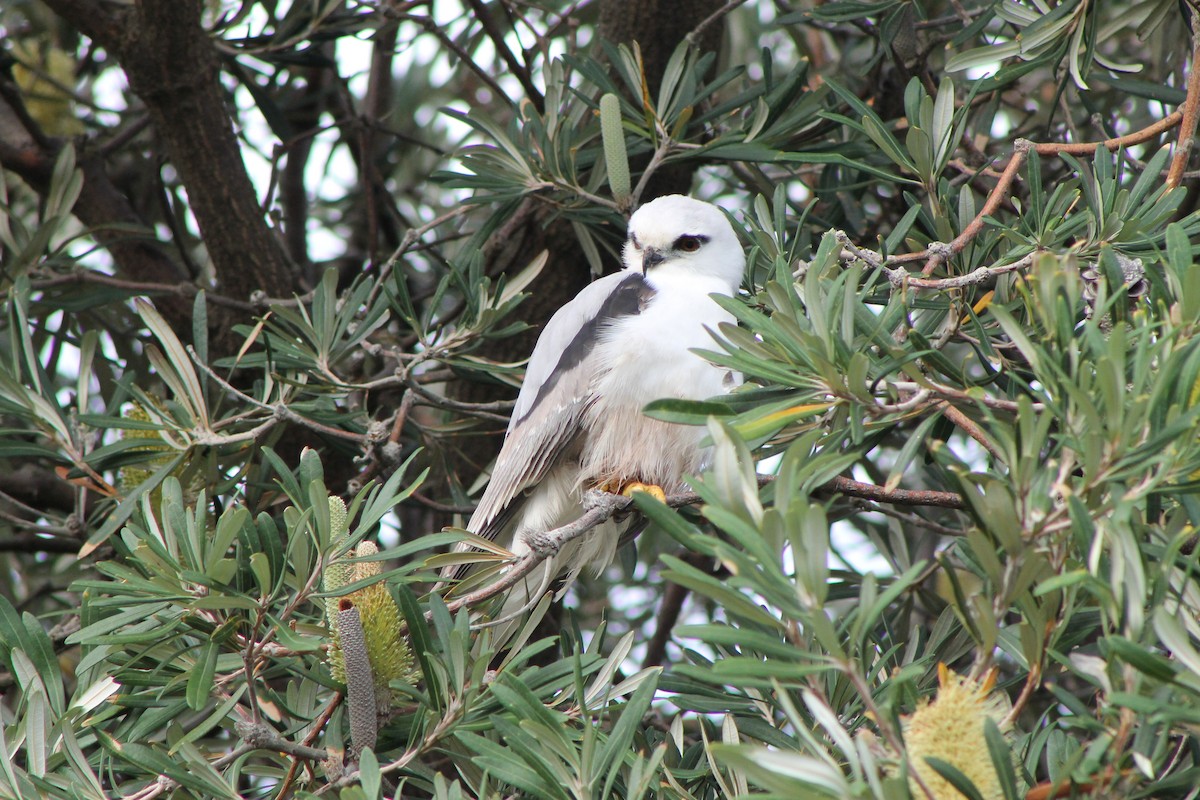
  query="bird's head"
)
[{"x": 683, "y": 236}]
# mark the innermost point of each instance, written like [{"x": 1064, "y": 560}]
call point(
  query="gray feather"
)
[{"x": 547, "y": 417}]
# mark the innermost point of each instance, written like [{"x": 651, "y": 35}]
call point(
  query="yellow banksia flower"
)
[
  {"x": 389, "y": 655},
  {"x": 43, "y": 73},
  {"x": 129, "y": 478},
  {"x": 951, "y": 728}
]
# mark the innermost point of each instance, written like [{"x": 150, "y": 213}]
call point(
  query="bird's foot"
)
[{"x": 651, "y": 489}]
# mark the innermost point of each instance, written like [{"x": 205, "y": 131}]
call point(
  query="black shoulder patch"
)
[{"x": 629, "y": 297}]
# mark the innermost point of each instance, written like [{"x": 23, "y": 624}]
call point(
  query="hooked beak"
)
[{"x": 651, "y": 258}]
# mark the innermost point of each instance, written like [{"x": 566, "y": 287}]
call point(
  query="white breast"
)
[{"x": 644, "y": 358}]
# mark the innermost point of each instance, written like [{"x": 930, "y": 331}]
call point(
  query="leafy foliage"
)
[{"x": 962, "y": 472}]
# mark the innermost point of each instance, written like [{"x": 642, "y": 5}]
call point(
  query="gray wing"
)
[{"x": 548, "y": 415}]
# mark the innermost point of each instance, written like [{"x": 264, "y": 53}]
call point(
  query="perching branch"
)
[
  {"x": 601, "y": 506},
  {"x": 598, "y": 507}
]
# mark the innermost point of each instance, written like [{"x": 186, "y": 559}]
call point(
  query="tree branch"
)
[
  {"x": 1191, "y": 111},
  {"x": 600, "y": 506},
  {"x": 532, "y": 93},
  {"x": 172, "y": 65},
  {"x": 264, "y": 737},
  {"x": 939, "y": 253}
]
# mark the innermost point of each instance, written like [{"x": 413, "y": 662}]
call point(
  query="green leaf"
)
[
  {"x": 1002, "y": 759},
  {"x": 200, "y": 683},
  {"x": 369, "y": 774},
  {"x": 955, "y": 777}
]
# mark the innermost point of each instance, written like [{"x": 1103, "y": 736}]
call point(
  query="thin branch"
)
[
  {"x": 263, "y": 737},
  {"x": 33, "y": 543},
  {"x": 959, "y": 394},
  {"x": 452, "y": 714},
  {"x": 314, "y": 732},
  {"x": 181, "y": 289},
  {"x": 969, "y": 427},
  {"x": 730, "y": 5},
  {"x": 600, "y": 506},
  {"x": 448, "y": 42},
  {"x": 429, "y": 502},
  {"x": 900, "y": 497},
  {"x": 939, "y": 253},
  {"x": 411, "y": 237},
  {"x": 913, "y": 520},
  {"x": 482, "y": 410},
  {"x": 1191, "y": 112},
  {"x": 1032, "y": 679},
  {"x": 673, "y": 596},
  {"x": 901, "y": 278},
  {"x": 532, "y": 93}
]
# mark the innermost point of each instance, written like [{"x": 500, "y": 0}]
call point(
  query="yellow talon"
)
[{"x": 649, "y": 488}]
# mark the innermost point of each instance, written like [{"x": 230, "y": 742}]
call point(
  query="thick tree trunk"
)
[{"x": 172, "y": 65}]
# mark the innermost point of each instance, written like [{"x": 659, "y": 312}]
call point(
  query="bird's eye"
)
[
  {"x": 689, "y": 244},
  {"x": 633, "y": 241}
]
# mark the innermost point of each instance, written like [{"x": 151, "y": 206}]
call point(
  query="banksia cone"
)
[
  {"x": 43, "y": 73},
  {"x": 338, "y": 574},
  {"x": 612, "y": 136},
  {"x": 390, "y": 657},
  {"x": 129, "y": 478},
  {"x": 388, "y": 654},
  {"x": 951, "y": 728}
]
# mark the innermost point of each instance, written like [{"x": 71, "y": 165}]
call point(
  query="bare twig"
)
[
  {"x": 314, "y": 732},
  {"x": 600, "y": 506},
  {"x": 669, "y": 609},
  {"x": 1191, "y": 112},
  {"x": 969, "y": 427},
  {"x": 263, "y": 737},
  {"x": 939, "y": 252},
  {"x": 496, "y": 35},
  {"x": 900, "y": 497},
  {"x": 959, "y": 394},
  {"x": 730, "y": 5},
  {"x": 448, "y": 42},
  {"x": 482, "y": 410},
  {"x": 182, "y": 289}
]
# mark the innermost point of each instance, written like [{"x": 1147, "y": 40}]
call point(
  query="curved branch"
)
[
  {"x": 1191, "y": 112},
  {"x": 939, "y": 253}
]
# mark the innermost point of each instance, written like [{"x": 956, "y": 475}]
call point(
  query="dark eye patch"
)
[
  {"x": 690, "y": 243},
  {"x": 633, "y": 240}
]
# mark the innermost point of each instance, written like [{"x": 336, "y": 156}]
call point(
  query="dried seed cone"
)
[{"x": 951, "y": 728}]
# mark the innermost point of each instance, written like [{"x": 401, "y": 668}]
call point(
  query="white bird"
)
[{"x": 622, "y": 342}]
